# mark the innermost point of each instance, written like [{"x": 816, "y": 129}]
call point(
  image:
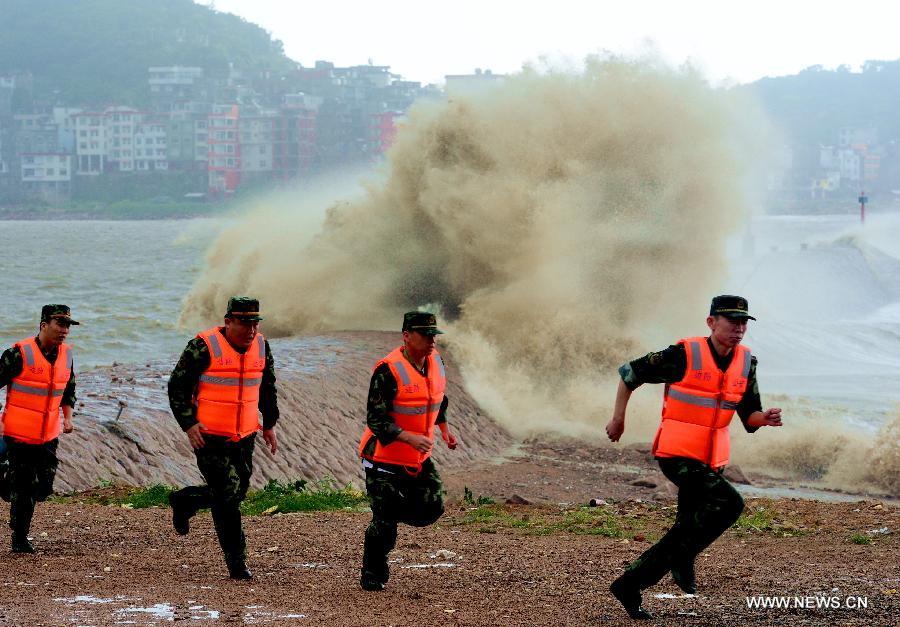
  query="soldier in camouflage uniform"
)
[
  {"x": 31, "y": 466},
  {"x": 399, "y": 494},
  {"x": 707, "y": 502},
  {"x": 226, "y": 462}
]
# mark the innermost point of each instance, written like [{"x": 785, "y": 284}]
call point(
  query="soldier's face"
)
[
  {"x": 727, "y": 331},
  {"x": 54, "y": 333},
  {"x": 241, "y": 333},
  {"x": 418, "y": 343}
]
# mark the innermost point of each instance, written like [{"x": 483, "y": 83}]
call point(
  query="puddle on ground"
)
[
  {"x": 84, "y": 598},
  {"x": 256, "y": 615},
  {"x": 131, "y": 613},
  {"x": 438, "y": 565},
  {"x": 669, "y": 595},
  {"x": 162, "y": 611}
]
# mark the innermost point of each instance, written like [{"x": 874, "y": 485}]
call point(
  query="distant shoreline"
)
[{"x": 117, "y": 211}]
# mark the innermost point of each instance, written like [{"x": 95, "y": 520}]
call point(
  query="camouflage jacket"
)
[
  {"x": 183, "y": 384},
  {"x": 382, "y": 390},
  {"x": 11, "y": 366},
  {"x": 669, "y": 366}
]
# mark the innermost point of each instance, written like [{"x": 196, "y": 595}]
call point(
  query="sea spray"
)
[{"x": 561, "y": 223}]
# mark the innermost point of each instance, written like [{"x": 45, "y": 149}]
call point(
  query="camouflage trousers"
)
[
  {"x": 398, "y": 498},
  {"x": 29, "y": 480},
  {"x": 226, "y": 466},
  {"x": 707, "y": 506}
]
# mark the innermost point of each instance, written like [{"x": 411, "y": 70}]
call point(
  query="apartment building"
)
[
  {"x": 224, "y": 168},
  {"x": 90, "y": 143},
  {"x": 150, "y": 139},
  {"x": 187, "y": 140},
  {"x": 46, "y": 175},
  {"x": 256, "y": 131},
  {"x": 121, "y": 123}
]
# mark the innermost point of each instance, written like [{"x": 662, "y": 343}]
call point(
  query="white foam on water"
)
[{"x": 826, "y": 291}]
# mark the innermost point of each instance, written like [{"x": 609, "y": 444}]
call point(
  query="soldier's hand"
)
[
  {"x": 271, "y": 439},
  {"x": 418, "y": 442},
  {"x": 615, "y": 428},
  {"x": 195, "y": 437},
  {"x": 67, "y": 426},
  {"x": 772, "y": 417},
  {"x": 451, "y": 441}
]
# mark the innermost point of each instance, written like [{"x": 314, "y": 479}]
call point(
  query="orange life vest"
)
[
  {"x": 34, "y": 396},
  {"x": 228, "y": 391},
  {"x": 415, "y": 409},
  {"x": 698, "y": 409}
]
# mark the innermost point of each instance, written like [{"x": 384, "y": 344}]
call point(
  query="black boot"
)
[
  {"x": 239, "y": 572},
  {"x": 370, "y": 582},
  {"x": 181, "y": 517},
  {"x": 683, "y": 575},
  {"x": 375, "y": 570},
  {"x": 630, "y": 598},
  {"x": 20, "y": 543}
]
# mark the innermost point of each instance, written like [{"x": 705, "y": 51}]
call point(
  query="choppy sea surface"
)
[
  {"x": 124, "y": 280},
  {"x": 826, "y": 291}
]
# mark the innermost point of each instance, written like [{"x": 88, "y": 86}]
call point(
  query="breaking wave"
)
[{"x": 558, "y": 223}]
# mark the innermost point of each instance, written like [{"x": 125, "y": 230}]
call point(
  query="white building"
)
[
  {"x": 120, "y": 125},
  {"x": 174, "y": 81},
  {"x": 255, "y": 134},
  {"x": 4, "y": 166},
  {"x": 845, "y": 162},
  {"x": 850, "y": 165},
  {"x": 150, "y": 152},
  {"x": 472, "y": 83},
  {"x": 90, "y": 143},
  {"x": 48, "y": 167}
]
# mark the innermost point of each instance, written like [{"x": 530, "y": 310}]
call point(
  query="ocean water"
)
[
  {"x": 826, "y": 291},
  {"x": 124, "y": 280}
]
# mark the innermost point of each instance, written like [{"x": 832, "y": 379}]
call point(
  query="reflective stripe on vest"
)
[
  {"x": 207, "y": 378},
  {"x": 698, "y": 409},
  {"x": 34, "y": 396},
  {"x": 415, "y": 409},
  {"x": 228, "y": 390}
]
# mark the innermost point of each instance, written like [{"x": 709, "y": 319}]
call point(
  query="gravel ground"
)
[{"x": 105, "y": 565}]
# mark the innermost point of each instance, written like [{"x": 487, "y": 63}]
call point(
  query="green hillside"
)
[
  {"x": 98, "y": 51},
  {"x": 810, "y": 107}
]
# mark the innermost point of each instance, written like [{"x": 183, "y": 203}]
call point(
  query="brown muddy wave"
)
[
  {"x": 558, "y": 224},
  {"x": 322, "y": 385}
]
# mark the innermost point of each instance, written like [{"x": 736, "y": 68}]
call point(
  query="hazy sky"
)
[{"x": 426, "y": 39}]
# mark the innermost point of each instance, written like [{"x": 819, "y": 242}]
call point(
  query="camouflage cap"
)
[
  {"x": 243, "y": 308},
  {"x": 57, "y": 312},
  {"x": 730, "y": 306},
  {"x": 421, "y": 321}
]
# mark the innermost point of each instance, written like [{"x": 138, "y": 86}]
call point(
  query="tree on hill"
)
[
  {"x": 812, "y": 106},
  {"x": 98, "y": 51}
]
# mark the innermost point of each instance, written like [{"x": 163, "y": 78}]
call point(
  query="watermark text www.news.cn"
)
[{"x": 808, "y": 602}]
